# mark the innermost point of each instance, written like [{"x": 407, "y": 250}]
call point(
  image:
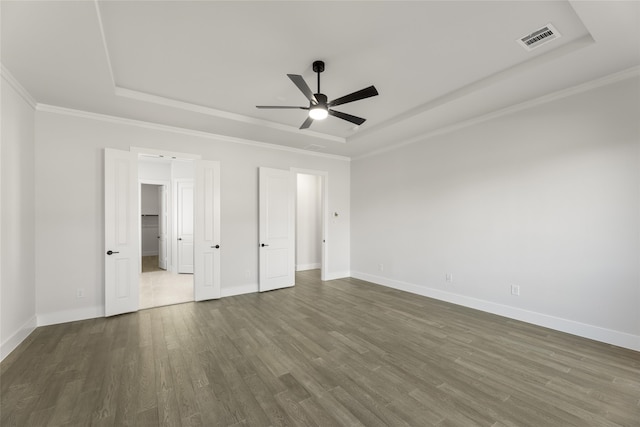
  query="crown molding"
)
[
  {"x": 169, "y": 102},
  {"x": 8, "y": 77},
  {"x": 182, "y": 131},
  {"x": 564, "y": 93}
]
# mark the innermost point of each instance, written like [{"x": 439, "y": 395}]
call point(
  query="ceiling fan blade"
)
[
  {"x": 303, "y": 86},
  {"x": 355, "y": 96},
  {"x": 306, "y": 123},
  {"x": 348, "y": 117},
  {"x": 281, "y": 106}
]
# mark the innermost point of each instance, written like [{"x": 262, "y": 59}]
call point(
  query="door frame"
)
[
  {"x": 167, "y": 185},
  {"x": 324, "y": 183}
]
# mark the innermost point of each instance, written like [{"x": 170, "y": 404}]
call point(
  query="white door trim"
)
[
  {"x": 324, "y": 178},
  {"x": 172, "y": 155}
]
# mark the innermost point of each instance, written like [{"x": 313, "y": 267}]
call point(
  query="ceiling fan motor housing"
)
[{"x": 321, "y": 98}]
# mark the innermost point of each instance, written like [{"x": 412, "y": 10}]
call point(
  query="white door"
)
[
  {"x": 277, "y": 229},
  {"x": 185, "y": 226},
  {"x": 121, "y": 232},
  {"x": 163, "y": 195},
  {"x": 207, "y": 231}
]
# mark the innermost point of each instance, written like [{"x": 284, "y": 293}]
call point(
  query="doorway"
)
[
  {"x": 122, "y": 244},
  {"x": 153, "y": 226},
  {"x": 277, "y": 223},
  {"x": 312, "y": 248},
  {"x": 166, "y": 215},
  {"x": 308, "y": 222}
]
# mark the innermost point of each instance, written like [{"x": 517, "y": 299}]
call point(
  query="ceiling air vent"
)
[{"x": 539, "y": 37}]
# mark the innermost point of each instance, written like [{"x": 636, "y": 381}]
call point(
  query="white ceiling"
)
[{"x": 205, "y": 65}]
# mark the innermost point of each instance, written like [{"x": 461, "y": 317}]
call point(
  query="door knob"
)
[
  {"x": 216, "y": 247},
  {"x": 263, "y": 245},
  {"x": 112, "y": 252},
  {"x": 179, "y": 238}
]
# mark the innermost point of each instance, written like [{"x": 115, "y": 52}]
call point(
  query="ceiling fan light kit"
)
[
  {"x": 318, "y": 112},
  {"x": 319, "y": 105}
]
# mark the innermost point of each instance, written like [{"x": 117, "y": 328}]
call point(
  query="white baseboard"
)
[
  {"x": 17, "y": 337},
  {"x": 239, "y": 290},
  {"x": 609, "y": 336},
  {"x": 304, "y": 267},
  {"x": 70, "y": 315}
]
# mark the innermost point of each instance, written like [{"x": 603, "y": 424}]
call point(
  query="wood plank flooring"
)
[{"x": 338, "y": 353}]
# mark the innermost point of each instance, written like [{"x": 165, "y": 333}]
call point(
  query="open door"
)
[
  {"x": 121, "y": 232},
  {"x": 277, "y": 229},
  {"x": 185, "y": 226},
  {"x": 207, "y": 231}
]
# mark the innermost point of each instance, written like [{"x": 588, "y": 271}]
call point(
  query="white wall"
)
[
  {"x": 69, "y": 217},
  {"x": 149, "y": 199},
  {"x": 153, "y": 170},
  {"x": 181, "y": 169},
  {"x": 17, "y": 252},
  {"x": 547, "y": 199},
  {"x": 308, "y": 222}
]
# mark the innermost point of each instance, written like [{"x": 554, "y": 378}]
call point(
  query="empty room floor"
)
[
  {"x": 159, "y": 287},
  {"x": 339, "y": 353}
]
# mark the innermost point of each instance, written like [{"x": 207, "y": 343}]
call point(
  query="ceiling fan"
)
[{"x": 319, "y": 106}]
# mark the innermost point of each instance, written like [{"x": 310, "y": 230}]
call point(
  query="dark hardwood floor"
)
[{"x": 339, "y": 353}]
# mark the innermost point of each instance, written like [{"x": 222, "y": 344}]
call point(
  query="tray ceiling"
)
[{"x": 204, "y": 65}]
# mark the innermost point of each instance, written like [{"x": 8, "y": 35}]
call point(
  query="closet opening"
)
[
  {"x": 153, "y": 228},
  {"x": 166, "y": 206},
  {"x": 310, "y": 222}
]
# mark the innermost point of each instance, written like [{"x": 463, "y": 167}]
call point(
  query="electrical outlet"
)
[
  {"x": 80, "y": 293},
  {"x": 515, "y": 290},
  {"x": 448, "y": 277},
  {"x": 381, "y": 267}
]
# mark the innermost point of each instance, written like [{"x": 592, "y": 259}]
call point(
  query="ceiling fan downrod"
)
[{"x": 318, "y": 67}]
